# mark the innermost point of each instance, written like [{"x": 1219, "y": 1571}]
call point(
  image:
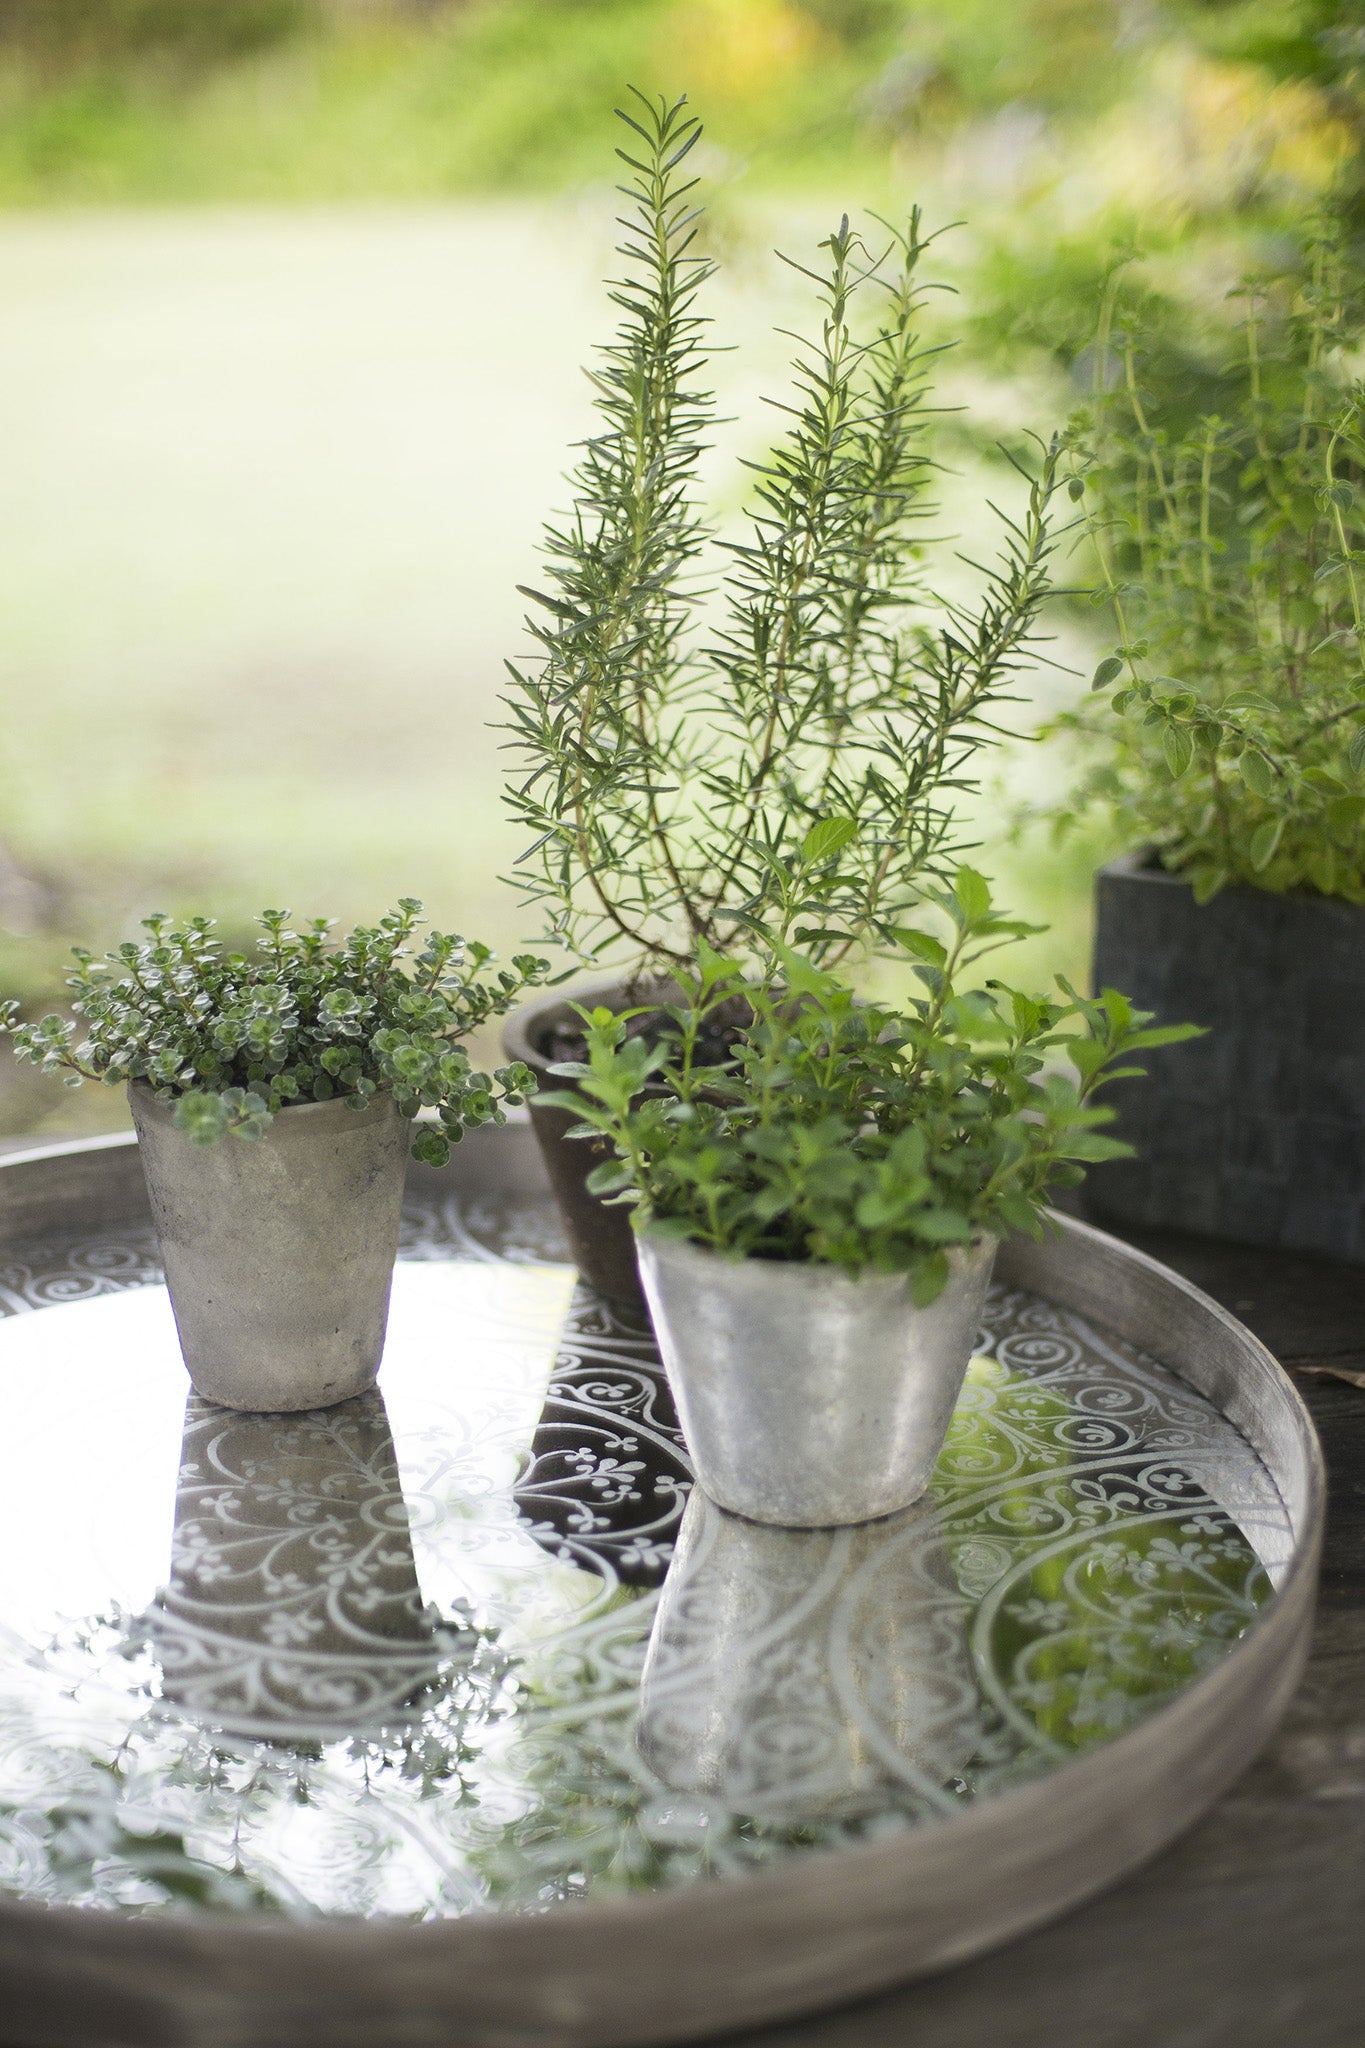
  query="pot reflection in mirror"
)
[
  {"x": 803, "y": 1674},
  {"x": 293, "y": 1606}
]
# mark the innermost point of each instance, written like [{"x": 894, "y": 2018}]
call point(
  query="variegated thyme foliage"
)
[{"x": 232, "y": 1039}]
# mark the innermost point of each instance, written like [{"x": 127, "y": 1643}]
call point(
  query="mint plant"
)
[
  {"x": 233, "y": 1039},
  {"x": 1228, "y": 727},
  {"x": 847, "y": 1133},
  {"x": 786, "y": 765}
]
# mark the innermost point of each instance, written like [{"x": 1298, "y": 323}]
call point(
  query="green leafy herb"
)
[
  {"x": 788, "y": 764},
  {"x": 233, "y": 1040},
  {"x": 1230, "y": 554},
  {"x": 846, "y": 1133}
]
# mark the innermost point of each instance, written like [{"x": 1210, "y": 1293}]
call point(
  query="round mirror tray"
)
[{"x": 453, "y": 1716}]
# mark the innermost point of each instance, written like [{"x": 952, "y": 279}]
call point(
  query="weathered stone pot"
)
[
  {"x": 810, "y": 1398},
  {"x": 601, "y": 1240},
  {"x": 1256, "y": 1132},
  {"x": 279, "y": 1251}
]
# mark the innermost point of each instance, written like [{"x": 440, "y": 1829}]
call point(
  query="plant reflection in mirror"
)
[
  {"x": 522, "y": 1784},
  {"x": 111, "y": 1842},
  {"x": 1127, "y": 1581}
]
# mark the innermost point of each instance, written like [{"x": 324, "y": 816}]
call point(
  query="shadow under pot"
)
[
  {"x": 1257, "y": 1131},
  {"x": 278, "y": 1251},
  {"x": 601, "y": 1240},
  {"x": 805, "y": 1674},
  {"x": 809, "y": 1397}
]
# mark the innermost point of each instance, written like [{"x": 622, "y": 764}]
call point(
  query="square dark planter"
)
[{"x": 1256, "y": 1132}]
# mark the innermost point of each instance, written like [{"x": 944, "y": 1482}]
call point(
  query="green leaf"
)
[
  {"x": 1019, "y": 1214},
  {"x": 973, "y": 894},
  {"x": 608, "y": 1178},
  {"x": 1178, "y": 748},
  {"x": 1355, "y": 753},
  {"x": 827, "y": 837},
  {"x": 928, "y": 1279},
  {"x": 1249, "y": 700},
  {"x": 1257, "y": 773},
  {"x": 1163, "y": 1034},
  {"x": 431, "y": 1145},
  {"x": 1265, "y": 841},
  {"x": 942, "y": 1226},
  {"x": 923, "y": 945},
  {"x": 1208, "y": 882},
  {"x": 1322, "y": 866},
  {"x": 1109, "y": 671},
  {"x": 202, "y": 1116},
  {"x": 1093, "y": 1146}
]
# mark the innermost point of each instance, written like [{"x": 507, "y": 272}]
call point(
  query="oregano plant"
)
[
  {"x": 1227, "y": 730},
  {"x": 849, "y": 1133},
  {"x": 233, "y": 1039},
  {"x": 783, "y": 762}
]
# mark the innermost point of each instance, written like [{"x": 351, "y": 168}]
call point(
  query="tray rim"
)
[{"x": 812, "y": 1932}]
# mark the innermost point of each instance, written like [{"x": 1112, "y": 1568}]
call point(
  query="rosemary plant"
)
[
  {"x": 787, "y": 763},
  {"x": 233, "y": 1040},
  {"x": 849, "y": 1134},
  {"x": 1228, "y": 727}
]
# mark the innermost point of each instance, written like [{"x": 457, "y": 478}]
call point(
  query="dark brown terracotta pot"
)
[{"x": 600, "y": 1237}]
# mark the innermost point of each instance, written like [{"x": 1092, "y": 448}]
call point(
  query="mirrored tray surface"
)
[{"x": 470, "y": 1643}]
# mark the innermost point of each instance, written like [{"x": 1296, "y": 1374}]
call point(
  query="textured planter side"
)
[
  {"x": 1256, "y": 1132},
  {"x": 600, "y": 1237},
  {"x": 809, "y": 1398},
  {"x": 279, "y": 1251}
]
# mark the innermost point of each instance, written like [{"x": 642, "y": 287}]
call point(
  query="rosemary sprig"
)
[{"x": 792, "y": 772}]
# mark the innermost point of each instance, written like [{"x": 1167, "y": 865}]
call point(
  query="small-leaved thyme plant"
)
[
  {"x": 1228, "y": 727},
  {"x": 788, "y": 765},
  {"x": 848, "y": 1133},
  {"x": 233, "y": 1039}
]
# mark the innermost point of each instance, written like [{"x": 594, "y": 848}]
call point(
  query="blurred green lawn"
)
[{"x": 270, "y": 472}]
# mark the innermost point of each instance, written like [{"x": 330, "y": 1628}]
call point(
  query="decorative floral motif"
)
[
  {"x": 429, "y": 1669},
  {"x": 70, "y": 1268},
  {"x": 293, "y": 1603}
]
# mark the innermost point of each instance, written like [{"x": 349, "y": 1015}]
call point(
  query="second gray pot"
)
[
  {"x": 809, "y": 1398},
  {"x": 279, "y": 1251}
]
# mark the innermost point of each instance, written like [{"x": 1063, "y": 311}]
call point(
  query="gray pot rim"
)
[
  {"x": 803, "y": 1272},
  {"x": 1143, "y": 864},
  {"x": 335, "y": 1106}
]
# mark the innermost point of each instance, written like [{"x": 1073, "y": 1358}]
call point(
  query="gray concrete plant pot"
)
[
  {"x": 809, "y": 1397},
  {"x": 279, "y": 1251},
  {"x": 601, "y": 1241},
  {"x": 1256, "y": 1132}
]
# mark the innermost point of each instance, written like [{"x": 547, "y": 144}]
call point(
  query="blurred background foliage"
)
[
  {"x": 293, "y": 299},
  {"x": 1203, "y": 104}
]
